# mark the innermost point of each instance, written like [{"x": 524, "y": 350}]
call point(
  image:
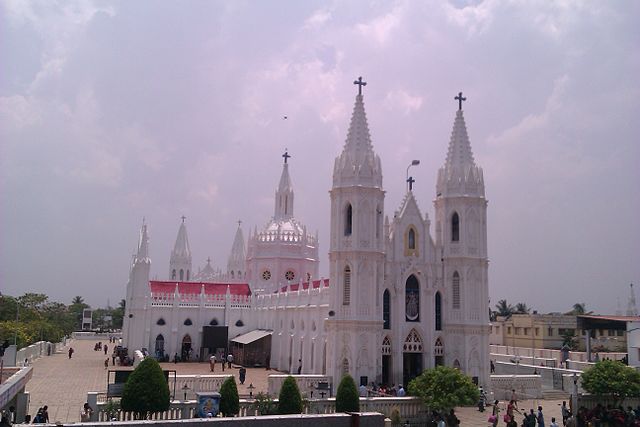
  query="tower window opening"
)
[
  {"x": 438, "y": 312},
  {"x": 386, "y": 309},
  {"x": 181, "y": 275},
  {"x": 346, "y": 296},
  {"x": 348, "y": 220},
  {"x": 455, "y": 227},
  {"x": 173, "y": 274},
  {"x": 456, "y": 291}
]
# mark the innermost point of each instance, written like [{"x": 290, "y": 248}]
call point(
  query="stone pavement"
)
[{"x": 63, "y": 384}]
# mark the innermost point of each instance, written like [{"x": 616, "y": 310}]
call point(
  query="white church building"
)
[{"x": 398, "y": 299}]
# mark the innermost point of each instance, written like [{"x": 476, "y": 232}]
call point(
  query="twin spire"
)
[
  {"x": 460, "y": 176},
  {"x": 358, "y": 164}
]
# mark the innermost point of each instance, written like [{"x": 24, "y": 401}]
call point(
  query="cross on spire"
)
[
  {"x": 459, "y": 98},
  {"x": 360, "y": 83},
  {"x": 286, "y": 155},
  {"x": 239, "y": 223},
  {"x": 183, "y": 218},
  {"x": 208, "y": 260},
  {"x": 411, "y": 181}
]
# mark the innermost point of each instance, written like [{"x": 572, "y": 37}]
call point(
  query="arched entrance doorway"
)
[
  {"x": 185, "y": 353},
  {"x": 159, "y": 347},
  {"x": 386, "y": 360},
  {"x": 411, "y": 357}
]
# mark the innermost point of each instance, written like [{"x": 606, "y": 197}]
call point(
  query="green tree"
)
[
  {"x": 444, "y": 388},
  {"x": 347, "y": 398},
  {"x": 118, "y": 315},
  {"x": 75, "y": 309},
  {"x": 289, "y": 400},
  {"x": 521, "y": 308},
  {"x": 264, "y": 404},
  {"x": 146, "y": 390},
  {"x": 229, "y": 399},
  {"x": 569, "y": 339},
  {"x": 613, "y": 379},
  {"x": 579, "y": 308},
  {"x": 504, "y": 308}
]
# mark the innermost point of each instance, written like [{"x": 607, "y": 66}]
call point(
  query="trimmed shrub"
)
[
  {"x": 289, "y": 400},
  {"x": 229, "y": 399},
  {"x": 146, "y": 390},
  {"x": 347, "y": 398}
]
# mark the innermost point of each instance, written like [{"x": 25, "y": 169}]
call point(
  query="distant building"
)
[
  {"x": 548, "y": 331},
  {"x": 398, "y": 300}
]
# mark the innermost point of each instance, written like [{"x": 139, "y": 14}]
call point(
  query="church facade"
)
[{"x": 400, "y": 297}]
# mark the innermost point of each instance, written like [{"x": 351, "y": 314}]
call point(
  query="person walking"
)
[
  {"x": 495, "y": 414},
  {"x": 565, "y": 412},
  {"x": 70, "y": 352},
  {"x": 243, "y": 374},
  {"x": 212, "y": 363},
  {"x": 229, "y": 359},
  {"x": 106, "y": 347},
  {"x": 85, "y": 414},
  {"x": 540, "y": 417}
]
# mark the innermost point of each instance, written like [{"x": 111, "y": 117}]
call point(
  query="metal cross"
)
[
  {"x": 208, "y": 260},
  {"x": 239, "y": 222},
  {"x": 360, "y": 83},
  {"x": 286, "y": 155},
  {"x": 183, "y": 218},
  {"x": 459, "y": 98},
  {"x": 411, "y": 181}
]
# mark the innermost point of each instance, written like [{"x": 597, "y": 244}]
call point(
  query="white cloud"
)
[
  {"x": 399, "y": 99},
  {"x": 318, "y": 19},
  {"x": 381, "y": 28}
]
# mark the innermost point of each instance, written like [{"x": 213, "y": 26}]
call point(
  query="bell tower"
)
[
  {"x": 461, "y": 242},
  {"x": 356, "y": 255}
]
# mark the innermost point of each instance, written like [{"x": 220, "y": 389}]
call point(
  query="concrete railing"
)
[
  {"x": 307, "y": 384},
  {"x": 409, "y": 408},
  {"x": 525, "y": 386},
  {"x": 550, "y": 378}
]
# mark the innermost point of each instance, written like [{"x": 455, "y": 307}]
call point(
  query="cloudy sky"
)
[{"x": 115, "y": 111}]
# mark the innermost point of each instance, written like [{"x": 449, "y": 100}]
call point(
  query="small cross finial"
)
[
  {"x": 239, "y": 223},
  {"x": 411, "y": 181},
  {"x": 459, "y": 98},
  {"x": 183, "y": 218},
  {"x": 360, "y": 83},
  {"x": 286, "y": 155},
  {"x": 208, "y": 260}
]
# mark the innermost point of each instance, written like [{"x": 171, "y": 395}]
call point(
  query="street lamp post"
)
[
  {"x": 251, "y": 387},
  {"x": 413, "y": 163}
]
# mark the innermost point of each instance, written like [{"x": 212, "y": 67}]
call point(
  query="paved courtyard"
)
[{"x": 63, "y": 383}]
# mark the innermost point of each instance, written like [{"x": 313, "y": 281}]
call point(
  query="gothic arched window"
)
[
  {"x": 188, "y": 322},
  {"x": 346, "y": 290},
  {"x": 386, "y": 309},
  {"x": 214, "y": 322},
  {"x": 412, "y": 299},
  {"x": 411, "y": 239},
  {"x": 239, "y": 323},
  {"x": 187, "y": 275},
  {"x": 173, "y": 274},
  {"x": 455, "y": 300},
  {"x": 438, "y": 311},
  {"x": 181, "y": 275},
  {"x": 455, "y": 227},
  {"x": 348, "y": 220},
  {"x": 160, "y": 322}
]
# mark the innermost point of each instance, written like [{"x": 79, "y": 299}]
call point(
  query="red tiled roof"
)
[
  {"x": 316, "y": 284},
  {"x": 196, "y": 287}
]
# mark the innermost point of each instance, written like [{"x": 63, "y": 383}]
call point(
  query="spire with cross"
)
[
  {"x": 286, "y": 155},
  {"x": 360, "y": 83},
  {"x": 459, "y": 98},
  {"x": 410, "y": 180},
  {"x": 183, "y": 218},
  {"x": 239, "y": 223}
]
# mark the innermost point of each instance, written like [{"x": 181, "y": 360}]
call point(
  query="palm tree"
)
[
  {"x": 504, "y": 308},
  {"x": 521, "y": 308},
  {"x": 77, "y": 300},
  {"x": 579, "y": 308}
]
